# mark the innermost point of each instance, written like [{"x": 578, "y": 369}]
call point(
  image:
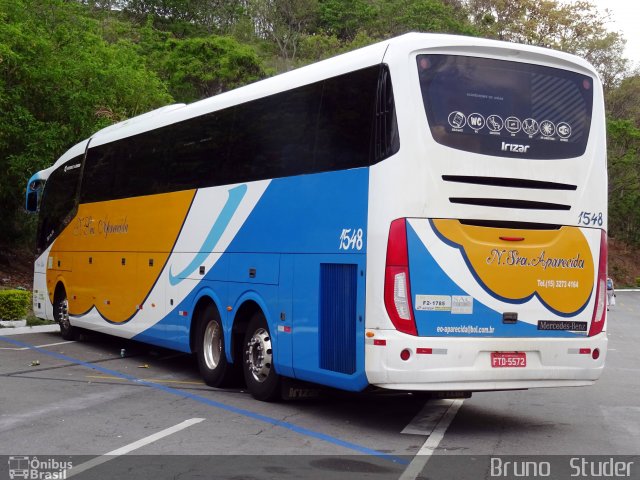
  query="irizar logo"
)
[{"x": 514, "y": 147}]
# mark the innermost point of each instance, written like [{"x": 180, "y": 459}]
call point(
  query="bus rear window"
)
[{"x": 508, "y": 109}]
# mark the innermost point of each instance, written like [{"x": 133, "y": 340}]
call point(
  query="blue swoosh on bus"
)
[{"x": 236, "y": 195}]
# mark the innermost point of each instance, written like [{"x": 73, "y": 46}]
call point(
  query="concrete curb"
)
[{"x": 21, "y": 330}]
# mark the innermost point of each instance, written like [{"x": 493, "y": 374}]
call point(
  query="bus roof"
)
[{"x": 354, "y": 60}]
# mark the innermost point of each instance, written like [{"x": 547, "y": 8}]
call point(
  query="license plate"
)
[{"x": 508, "y": 359}]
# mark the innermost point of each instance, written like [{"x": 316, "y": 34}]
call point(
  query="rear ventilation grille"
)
[
  {"x": 338, "y": 303},
  {"x": 509, "y": 203},
  {"x": 508, "y": 182},
  {"x": 511, "y": 225}
]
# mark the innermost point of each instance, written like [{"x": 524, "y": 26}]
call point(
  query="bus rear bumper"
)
[{"x": 464, "y": 364}]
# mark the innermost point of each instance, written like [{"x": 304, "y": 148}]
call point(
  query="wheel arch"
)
[
  {"x": 204, "y": 298},
  {"x": 61, "y": 285},
  {"x": 245, "y": 307}
]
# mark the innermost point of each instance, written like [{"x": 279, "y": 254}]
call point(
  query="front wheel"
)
[
  {"x": 216, "y": 371},
  {"x": 61, "y": 315},
  {"x": 259, "y": 373}
]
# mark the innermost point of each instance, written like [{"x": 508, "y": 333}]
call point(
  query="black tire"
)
[
  {"x": 259, "y": 373},
  {"x": 215, "y": 370},
  {"x": 61, "y": 315}
]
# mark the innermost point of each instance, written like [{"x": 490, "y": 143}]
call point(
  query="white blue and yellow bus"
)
[{"x": 427, "y": 213}]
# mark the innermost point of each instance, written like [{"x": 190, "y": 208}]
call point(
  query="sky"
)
[{"x": 625, "y": 15}]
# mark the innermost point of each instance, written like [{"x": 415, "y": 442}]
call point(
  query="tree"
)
[
  {"x": 624, "y": 180},
  {"x": 343, "y": 19},
  {"x": 623, "y": 146},
  {"x": 186, "y": 18},
  {"x": 284, "y": 22},
  {"x": 623, "y": 102},
  {"x": 60, "y": 81},
  {"x": 344, "y": 25},
  {"x": 577, "y": 27},
  {"x": 197, "y": 68},
  {"x": 396, "y": 17}
]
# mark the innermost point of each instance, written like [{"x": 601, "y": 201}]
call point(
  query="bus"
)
[{"x": 424, "y": 214}]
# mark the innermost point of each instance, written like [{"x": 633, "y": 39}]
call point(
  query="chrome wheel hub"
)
[
  {"x": 212, "y": 345},
  {"x": 63, "y": 314},
  {"x": 258, "y": 355}
]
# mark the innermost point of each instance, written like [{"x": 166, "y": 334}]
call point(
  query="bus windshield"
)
[{"x": 503, "y": 108}]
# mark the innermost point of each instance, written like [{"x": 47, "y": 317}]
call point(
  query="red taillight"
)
[
  {"x": 397, "y": 287},
  {"x": 600, "y": 310}
]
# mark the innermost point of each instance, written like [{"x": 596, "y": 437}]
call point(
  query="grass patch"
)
[{"x": 33, "y": 321}]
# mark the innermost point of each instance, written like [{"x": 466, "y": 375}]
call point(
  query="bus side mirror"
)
[{"x": 32, "y": 202}]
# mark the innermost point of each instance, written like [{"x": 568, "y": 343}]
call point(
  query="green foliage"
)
[
  {"x": 197, "y": 68},
  {"x": 33, "y": 321},
  {"x": 401, "y": 16},
  {"x": 283, "y": 23},
  {"x": 343, "y": 19},
  {"x": 14, "y": 304},
  {"x": 624, "y": 180},
  {"x": 318, "y": 47},
  {"x": 188, "y": 18},
  {"x": 624, "y": 101},
  {"x": 60, "y": 81}
]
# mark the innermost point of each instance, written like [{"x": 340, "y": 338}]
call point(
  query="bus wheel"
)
[
  {"x": 215, "y": 370},
  {"x": 262, "y": 380},
  {"x": 61, "y": 315}
]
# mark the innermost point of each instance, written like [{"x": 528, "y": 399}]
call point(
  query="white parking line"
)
[
  {"x": 424, "y": 454},
  {"x": 427, "y": 418},
  {"x": 37, "y": 346},
  {"x": 83, "y": 467}
]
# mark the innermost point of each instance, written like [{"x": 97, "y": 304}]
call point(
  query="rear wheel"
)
[
  {"x": 216, "y": 371},
  {"x": 61, "y": 315},
  {"x": 259, "y": 373}
]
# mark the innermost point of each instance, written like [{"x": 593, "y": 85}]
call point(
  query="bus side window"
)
[
  {"x": 99, "y": 174},
  {"x": 273, "y": 137},
  {"x": 345, "y": 122},
  {"x": 198, "y": 155}
]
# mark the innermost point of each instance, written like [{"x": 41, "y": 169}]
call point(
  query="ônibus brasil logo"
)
[{"x": 34, "y": 469}]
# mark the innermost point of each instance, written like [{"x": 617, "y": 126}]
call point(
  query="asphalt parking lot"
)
[{"x": 147, "y": 413}]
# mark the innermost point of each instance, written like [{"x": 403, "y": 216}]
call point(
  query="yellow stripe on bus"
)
[{"x": 111, "y": 253}]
